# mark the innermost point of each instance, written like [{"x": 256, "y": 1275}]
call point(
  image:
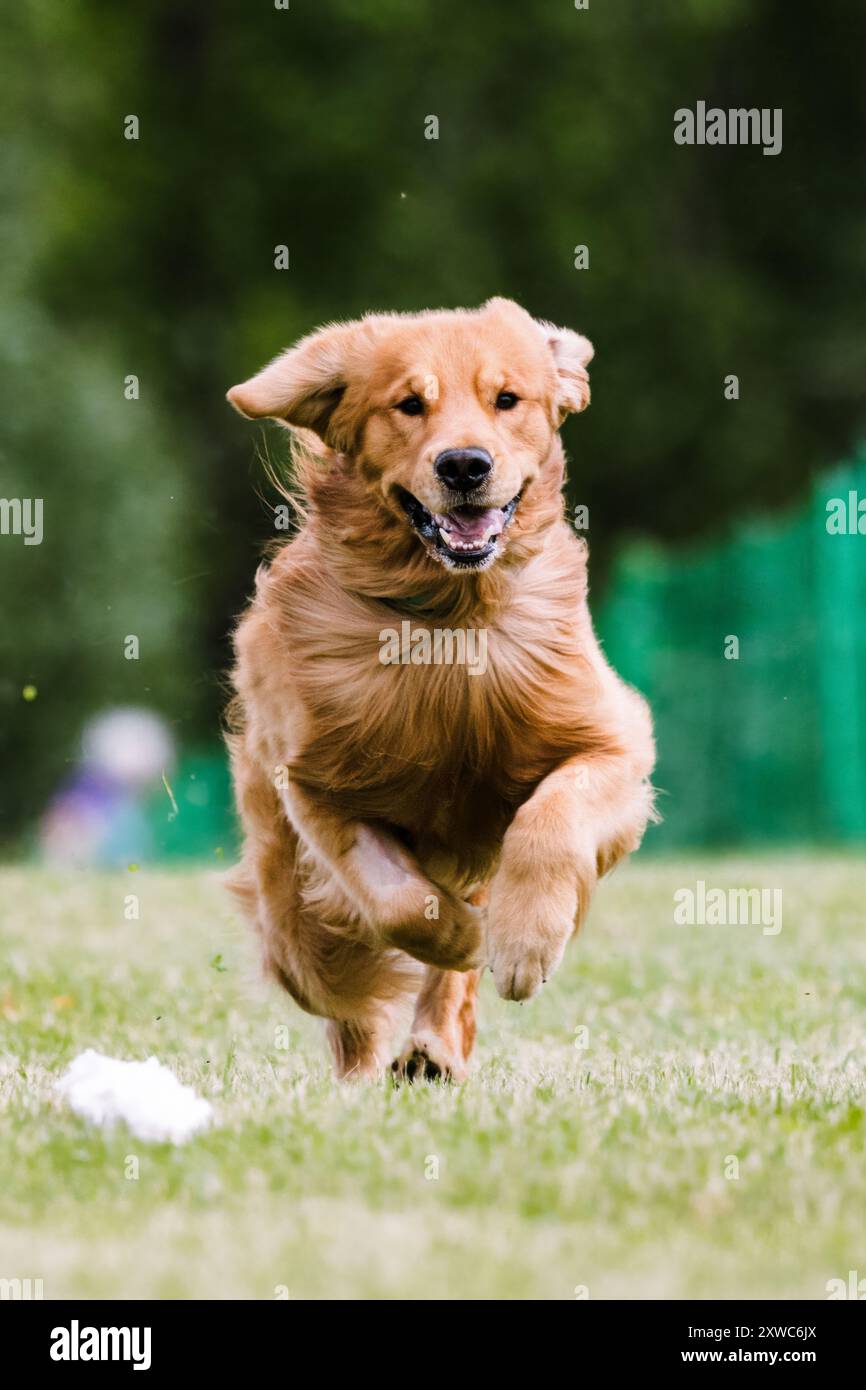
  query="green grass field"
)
[{"x": 560, "y": 1166}]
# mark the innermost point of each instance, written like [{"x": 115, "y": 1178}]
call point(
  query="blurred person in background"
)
[{"x": 98, "y": 817}]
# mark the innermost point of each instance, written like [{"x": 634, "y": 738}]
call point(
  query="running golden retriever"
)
[{"x": 433, "y": 761}]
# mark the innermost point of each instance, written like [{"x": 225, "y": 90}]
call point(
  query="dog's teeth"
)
[{"x": 470, "y": 547}]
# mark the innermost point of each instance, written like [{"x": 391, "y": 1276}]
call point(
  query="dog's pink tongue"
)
[{"x": 470, "y": 524}]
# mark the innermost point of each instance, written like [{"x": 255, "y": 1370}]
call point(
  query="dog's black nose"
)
[{"x": 463, "y": 469}]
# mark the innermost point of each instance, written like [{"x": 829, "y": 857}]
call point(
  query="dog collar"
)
[{"x": 407, "y": 601}]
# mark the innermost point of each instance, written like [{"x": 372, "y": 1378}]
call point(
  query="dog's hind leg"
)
[
  {"x": 360, "y": 1048},
  {"x": 308, "y": 936},
  {"x": 443, "y": 1030},
  {"x": 363, "y": 995},
  {"x": 444, "y": 1027}
]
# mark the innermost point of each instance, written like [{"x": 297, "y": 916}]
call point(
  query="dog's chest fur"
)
[{"x": 443, "y": 751}]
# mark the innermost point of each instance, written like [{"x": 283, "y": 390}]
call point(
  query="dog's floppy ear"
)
[
  {"x": 305, "y": 384},
  {"x": 571, "y": 355}
]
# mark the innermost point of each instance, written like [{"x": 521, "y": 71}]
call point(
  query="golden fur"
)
[{"x": 406, "y": 823}]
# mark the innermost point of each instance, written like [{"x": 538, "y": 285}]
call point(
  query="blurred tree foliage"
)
[{"x": 261, "y": 126}]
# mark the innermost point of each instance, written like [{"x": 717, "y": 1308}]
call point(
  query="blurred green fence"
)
[
  {"x": 192, "y": 816},
  {"x": 770, "y": 745}
]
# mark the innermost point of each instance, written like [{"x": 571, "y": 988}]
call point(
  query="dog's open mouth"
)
[{"x": 464, "y": 537}]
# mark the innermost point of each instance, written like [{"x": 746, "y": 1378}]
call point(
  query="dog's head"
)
[{"x": 448, "y": 416}]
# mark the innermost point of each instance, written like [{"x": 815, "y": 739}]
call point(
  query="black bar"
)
[{"x": 237, "y": 1336}]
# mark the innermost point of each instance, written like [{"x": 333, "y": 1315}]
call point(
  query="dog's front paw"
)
[
  {"x": 526, "y": 939},
  {"x": 451, "y": 936},
  {"x": 520, "y": 969}
]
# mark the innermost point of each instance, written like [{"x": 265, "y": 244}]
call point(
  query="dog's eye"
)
[
  {"x": 506, "y": 400},
  {"x": 413, "y": 405}
]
